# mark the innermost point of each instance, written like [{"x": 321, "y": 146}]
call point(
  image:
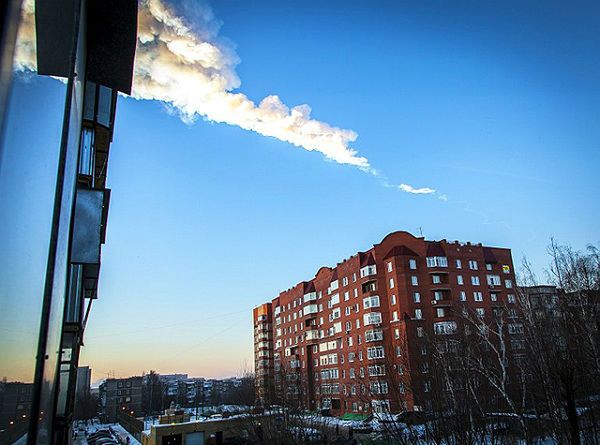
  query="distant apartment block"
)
[
  {"x": 121, "y": 396},
  {"x": 355, "y": 338}
]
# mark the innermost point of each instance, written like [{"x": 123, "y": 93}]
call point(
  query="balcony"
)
[
  {"x": 311, "y": 335},
  {"x": 311, "y": 296},
  {"x": 310, "y": 309}
]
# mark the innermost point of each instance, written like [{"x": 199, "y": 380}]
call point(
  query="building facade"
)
[
  {"x": 355, "y": 338},
  {"x": 121, "y": 395}
]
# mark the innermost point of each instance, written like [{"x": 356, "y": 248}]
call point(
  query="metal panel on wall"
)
[{"x": 87, "y": 228}]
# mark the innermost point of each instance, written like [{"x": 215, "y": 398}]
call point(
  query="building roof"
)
[
  {"x": 434, "y": 248},
  {"x": 400, "y": 251}
]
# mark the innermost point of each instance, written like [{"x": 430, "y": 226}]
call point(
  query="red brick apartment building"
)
[{"x": 366, "y": 321}]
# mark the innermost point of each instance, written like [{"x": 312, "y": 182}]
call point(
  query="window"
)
[
  {"x": 417, "y": 297},
  {"x": 494, "y": 280},
  {"x": 472, "y": 264},
  {"x": 478, "y": 296},
  {"x": 508, "y": 284},
  {"x": 438, "y": 296},
  {"x": 423, "y": 349},
  {"x": 346, "y": 296},
  {"x": 355, "y": 292},
  {"x": 480, "y": 312},
  {"x": 370, "y": 302},
  {"x": 463, "y": 295},
  {"x": 505, "y": 268},
  {"x": 391, "y": 283},
  {"x": 412, "y": 264},
  {"x": 427, "y": 386},
  {"x": 375, "y": 352},
  {"x": 393, "y": 299},
  {"x": 345, "y": 281},
  {"x": 414, "y": 280},
  {"x": 420, "y": 331},
  {"x": 379, "y": 388},
  {"x": 348, "y": 326},
  {"x": 372, "y": 318},
  {"x": 418, "y": 314},
  {"x": 389, "y": 266},
  {"x": 458, "y": 264},
  {"x": 335, "y": 299},
  {"x": 437, "y": 261},
  {"x": 335, "y": 314},
  {"x": 86, "y": 152},
  {"x": 376, "y": 370},
  {"x": 436, "y": 279},
  {"x": 374, "y": 335},
  {"x": 440, "y": 312},
  {"x": 494, "y": 297},
  {"x": 395, "y": 316},
  {"x": 396, "y": 333},
  {"x": 368, "y": 270},
  {"x": 475, "y": 280},
  {"x": 445, "y": 327},
  {"x": 347, "y": 310},
  {"x": 511, "y": 298}
]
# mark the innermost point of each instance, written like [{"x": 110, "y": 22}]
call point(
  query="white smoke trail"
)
[{"x": 193, "y": 72}]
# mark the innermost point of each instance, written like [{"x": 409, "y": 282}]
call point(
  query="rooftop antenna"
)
[{"x": 421, "y": 231}]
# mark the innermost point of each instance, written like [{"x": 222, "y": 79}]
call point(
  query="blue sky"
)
[{"x": 493, "y": 105}]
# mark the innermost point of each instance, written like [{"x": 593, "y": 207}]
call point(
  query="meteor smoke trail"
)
[{"x": 193, "y": 72}]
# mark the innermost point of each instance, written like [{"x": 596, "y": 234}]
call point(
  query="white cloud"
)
[
  {"x": 417, "y": 191},
  {"x": 189, "y": 68}
]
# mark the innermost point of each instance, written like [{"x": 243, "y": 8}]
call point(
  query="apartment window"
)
[
  {"x": 335, "y": 299},
  {"x": 391, "y": 283},
  {"x": 355, "y": 292},
  {"x": 440, "y": 312},
  {"x": 480, "y": 312},
  {"x": 459, "y": 279},
  {"x": 347, "y": 310},
  {"x": 438, "y": 296},
  {"x": 393, "y": 299},
  {"x": 346, "y": 296},
  {"x": 418, "y": 314},
  {"x": 335, "y": 314},
  {"x": 354, "y": 277},
  {"x": 357, "y": 323},
  {"x": 478, "y": 296},
  {"x": 423, "y": 349},
  {"x": 352, "y": 375},
  {"x": 511, "y": 298},
  {"x": 494, "y": 280},
  {"x": 368, "y": 270},
  {"x": 414, "y": 280},
  {"x": 420, "y": 331},
  {"x": 412, "y": 264},
  {"x": 398, "y": 351},
  {"x": 508, "y": 284},
  {"x": 389, "y": 266},
  {"x": 401, "y": 388},
  {"x": 372, "y": 318},
  {"x": 458, "y": 264},
  {"x": 463, "y": 295},
  {"x": 396, "y": 333},
  {"x": 356, "y": 308},
  {"x": 427, "y": 386},
  {"x": 505, "y": 268},
  {"x": 375, "y": 352},
  {"x": 494, "y": 297},
  {"x": 345, "y": 281},
  {"x": 472, "y": 264},
  {"x": 374, "y": 335},
  {"x": 475, "y": 280},
  {"x": 376, "y": 370},
  {"x": 488, "y": 266},
  {"x": 437, "y": 261},
  {"x": 395, "y": 316},
  {"x": 424, "y": 368},
  {"x": 350, "y": 341},
  {"x": 370, "y": 302},
  {"x": 436, "y": 279},
  {"x": 417, "y": 297}
]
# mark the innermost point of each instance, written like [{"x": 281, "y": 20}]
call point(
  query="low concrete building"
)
[{"x": 214, "y": 432}]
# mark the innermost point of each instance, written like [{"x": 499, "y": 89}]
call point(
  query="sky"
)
[{"x": 219, "y": 201}]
